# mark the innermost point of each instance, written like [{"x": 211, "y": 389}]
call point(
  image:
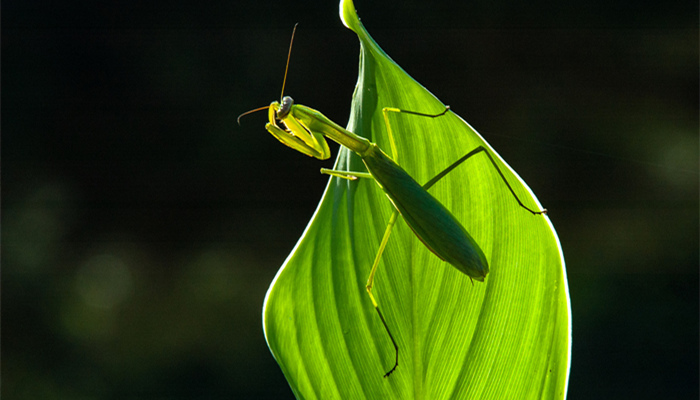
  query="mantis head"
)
[
  {"x": 289, "y": 128},
  {"x": 284, "y": 108}
]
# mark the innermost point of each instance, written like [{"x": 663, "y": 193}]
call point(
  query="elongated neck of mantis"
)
[
  {"x": 344, "y": 137},
  {"x": 317, "y": 122}
]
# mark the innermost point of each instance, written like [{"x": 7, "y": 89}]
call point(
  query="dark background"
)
[{"x": 141, "y": 226}]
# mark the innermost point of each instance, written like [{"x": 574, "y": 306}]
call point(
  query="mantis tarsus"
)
[{"x": 303, "y": 129}]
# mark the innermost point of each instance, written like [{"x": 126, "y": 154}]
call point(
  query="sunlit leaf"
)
[{"x": 505, "y": 338}]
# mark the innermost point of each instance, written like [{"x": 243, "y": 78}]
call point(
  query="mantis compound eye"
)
[{"x": 285, "y": 107}]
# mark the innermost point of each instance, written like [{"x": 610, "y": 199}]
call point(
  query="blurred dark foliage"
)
[{"x": 141, "y": 226}]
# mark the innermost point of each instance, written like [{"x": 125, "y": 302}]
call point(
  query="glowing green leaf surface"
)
[{"x": 505, "y": 338}]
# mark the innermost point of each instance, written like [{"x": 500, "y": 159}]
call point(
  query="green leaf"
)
[{"x": 506, "y": 338}]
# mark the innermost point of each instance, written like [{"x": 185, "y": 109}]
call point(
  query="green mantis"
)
[{"x": 305, "y": 130}]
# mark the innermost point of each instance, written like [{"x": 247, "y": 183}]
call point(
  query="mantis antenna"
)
[
  {"x": 284, "y": 81},
  {"x": 289, "y": 56}
]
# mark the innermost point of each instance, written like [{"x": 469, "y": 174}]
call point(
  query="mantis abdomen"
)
[{"x": 431, "y": 222}]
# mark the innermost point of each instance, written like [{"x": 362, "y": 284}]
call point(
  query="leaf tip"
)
[{"x": 348, "y": 15}]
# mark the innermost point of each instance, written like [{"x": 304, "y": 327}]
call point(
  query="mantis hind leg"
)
[{"x": 478, "y": 150}]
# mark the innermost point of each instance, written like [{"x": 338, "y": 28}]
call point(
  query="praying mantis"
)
[{"x": 305, "y": 130}]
